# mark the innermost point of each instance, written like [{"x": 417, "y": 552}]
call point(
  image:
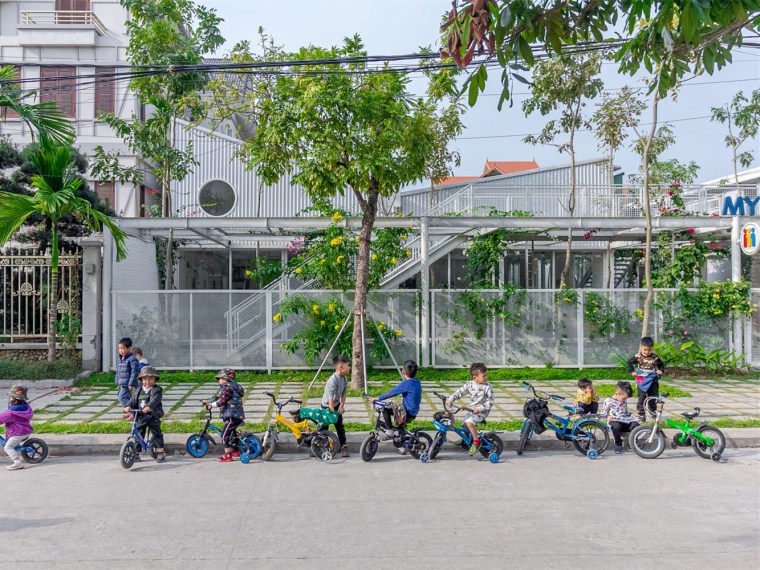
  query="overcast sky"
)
[{"x": 390, "y": 27}]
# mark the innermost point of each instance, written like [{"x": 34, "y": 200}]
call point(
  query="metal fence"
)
[
  {"x": 189, "y": 329},
  {"x": 24, "y": 294}
]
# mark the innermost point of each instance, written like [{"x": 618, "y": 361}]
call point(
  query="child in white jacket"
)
[{"x": 481, "y": 401}]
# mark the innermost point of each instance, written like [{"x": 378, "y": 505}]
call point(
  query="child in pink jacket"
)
[{"x": 17, "y": 423}]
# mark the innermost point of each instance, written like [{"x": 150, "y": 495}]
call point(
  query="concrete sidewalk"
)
[{"x": 109, "y": 444}]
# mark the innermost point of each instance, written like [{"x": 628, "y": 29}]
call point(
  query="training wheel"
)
[
  {"x": 592, "y": 454},
  {"x": 326, "y": 456},
  {"x": 715, "y": 456},
  {"x": 245, "y": 458},
  {"x": 493, "y": 458},
  {"x": 425, "y": 458}
]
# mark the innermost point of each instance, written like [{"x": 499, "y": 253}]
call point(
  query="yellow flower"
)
[
  {"x": 321, "y": 261},
  {"x": 315, "y": 308},
  {"x": 393, "y": 261},
  {"x": 337, "y": 327},
  {"x": 716, "y": 296},
  {"x": 403, "y": 236},
  {"x": 408, "y": 252},
  {"x": 397, "y": 332},
  {"x": 336, "y": 241},
  {"x": 331, "y": 307},
  {"x": 336, "y": 217},
  {"x": 381, "y": 325},
  {"x": 374, "y": 257},
  {"x": 340, "y": 258},
  {"x": 277, "y": 317},
  {"x": 299, "y": 270},
  {"x": 356, "y": 239},
  {"x": 322, "y": 323},
  {"x": 248, "y": 273}
]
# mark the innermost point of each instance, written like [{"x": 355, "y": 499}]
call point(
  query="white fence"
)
[{"x": 188, "y": 329}]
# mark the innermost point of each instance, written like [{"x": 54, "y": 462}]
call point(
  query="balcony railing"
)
[{"x": 61, "y": 17}]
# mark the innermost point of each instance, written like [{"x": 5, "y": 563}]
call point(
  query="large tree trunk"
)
[
  {"x": 648, "y": 215},
  {"x": 369, "y": 209},
  {"x": 53, "y": 296}
]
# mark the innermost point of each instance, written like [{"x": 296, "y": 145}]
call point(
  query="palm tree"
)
[
  {"x": 45, "y": 117},
  {"x": 54, "y": 197}
]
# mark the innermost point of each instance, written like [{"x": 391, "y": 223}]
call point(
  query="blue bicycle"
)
[
  {"x": 135, "y": 444},
  {"x": 32, "y": 449},
  {"x": 588, "y": 434},
  {"x": 197, "y": 444},
  {"x": 491, "y": 445}
]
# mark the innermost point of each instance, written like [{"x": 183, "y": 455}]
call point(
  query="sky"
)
[{"x": 391, "y": 27}]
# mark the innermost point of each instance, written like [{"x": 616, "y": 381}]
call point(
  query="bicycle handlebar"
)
[{"x": 546, "y": 395}]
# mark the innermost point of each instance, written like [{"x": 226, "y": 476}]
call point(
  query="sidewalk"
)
[{"x": 737, "y": 399}]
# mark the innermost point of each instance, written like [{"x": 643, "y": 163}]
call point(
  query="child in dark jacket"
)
[
  {"x": 411, "y": 391},
  {"x": 148, "y": 399},
  {"x": 17, "y": 423},
  {"x": 230, "y": 404},
  {"x": 647, "y": 368},
  {"x": 126, "y": 371}
]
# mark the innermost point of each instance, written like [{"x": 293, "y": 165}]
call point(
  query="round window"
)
[{"x": 217, "y": 198}]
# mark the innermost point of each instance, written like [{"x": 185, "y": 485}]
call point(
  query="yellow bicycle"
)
[{"x": 322, "y": 442}]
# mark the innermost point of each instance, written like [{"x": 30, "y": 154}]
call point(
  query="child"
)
[
  {"x": 334, "y": 397},
  {"x": 230, "y": 404},
  {"x": 481, "y": 401},
  {"x": 17, "y": 423},
  {"x": 411, "y": 390},
  {"x": 126, "y": 372},
  {"x": 586, "y": 398},
  {"x": 141, "y": 362},
  {"x": 147, "y": 399},
  {"x": 618, "y": 416},
  {"x": 625, "y": 385},
  {"x": 647, "y": 368}
]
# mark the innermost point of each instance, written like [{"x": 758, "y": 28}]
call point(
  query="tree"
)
[
  {"x": 743, "y": 115},
  {"x": 162, "y": 33},
  {"x": 345, "y": 127},
  {"x": 45, "y": 118},
  {"x": 55, "y": 186},
  {"x": 669, "y": 39},
  {"x": 564, "y": 84}
]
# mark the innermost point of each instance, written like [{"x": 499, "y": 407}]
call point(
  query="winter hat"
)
[{"x": 18, "y": 392}]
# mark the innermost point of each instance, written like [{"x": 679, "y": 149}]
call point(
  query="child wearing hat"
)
[
  {"x": 17, "y": 423},
  {"x": 147, "y": 399},
  {"x": 230, "y": 404}
]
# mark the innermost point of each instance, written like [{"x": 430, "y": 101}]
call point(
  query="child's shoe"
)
[
  {"x": 17, "y": 464},
  {"x": 474, "y": 448},
  {"x": 344, "y": 451},
  {"x": 618, "y": 449},
  {"x": 642, "y": 418},
  {"x": 161, "y": 457},
  {"x": 235, "y": 454},
  {"x": 226, "y": 458},
  {"x": 387, "y": 436},
  {"x": 137, "y": 457}
]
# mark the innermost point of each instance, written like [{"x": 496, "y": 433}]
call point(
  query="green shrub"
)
[{"x": 19, "y": 370}]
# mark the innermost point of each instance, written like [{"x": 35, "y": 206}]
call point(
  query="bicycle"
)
[
  {"x": 197, "y": 444},
  {"x": 589, "y": 435},
  {"x": 648, "y": 441},
  {"x": 416, "y": 441},
  {"x": 135, "y": 444},
  {"x": 322, "y": 442},
  {"x": 491, "y": 445},
  {"x": 32, "y": 449}
]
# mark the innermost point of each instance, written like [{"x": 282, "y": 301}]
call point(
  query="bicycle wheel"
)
[
  {"x": 38, "y": 452},
  {"x": 498, "y": 445},
  {"x": 590, "y": 434},
  {"x": 525, "y": 433},
  {"x": 268, "y": 446},
  {"x": 704, "y": 450},
  {"x": 127, "y": 454},
  {"x": 250, "y": 445},
  {"x": 436, "y": 446},
  {"x": 422, "y": 445},
  {"x": 325, "y": 445},
  {"x": 368, "y": 448},
  {"x": 196, "y": 445},
  {"x": 639, "y": 440}
]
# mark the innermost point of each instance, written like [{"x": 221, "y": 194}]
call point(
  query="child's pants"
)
[
  {"x": 591, "y": 408},
  {"x": 229, "y": 434},
  {"x": 147, "y": 423},
  {"x": 339, "y": 428},
  {"x": 11, "y": 443},
  {"x": 619, "y": 427},
  {"x": 124, "y": 395},
  {"x": 654, "y": 390}
]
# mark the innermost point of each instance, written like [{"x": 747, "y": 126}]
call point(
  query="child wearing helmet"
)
[
  {"x": 17, "y": 420},
  {"x": 230, "y": 404},
  {"x": 148, "y": 399}
]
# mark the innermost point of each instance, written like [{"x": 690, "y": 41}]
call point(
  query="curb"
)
[
  {"x": 40, "y": 384},
  {"x": 109, "y": 444}
]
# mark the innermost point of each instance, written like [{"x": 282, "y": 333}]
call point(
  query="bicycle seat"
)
[
  {"x": 570, "y": 409},
  {"x": 690, "y": 415}
]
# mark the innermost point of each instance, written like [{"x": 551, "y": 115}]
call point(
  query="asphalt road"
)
[{"x": 552, "y": 509}]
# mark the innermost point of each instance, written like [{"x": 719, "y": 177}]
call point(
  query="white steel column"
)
[
  {"x": 736, "y": 275},
  {"x": 425, "y": 289},
  {"x": 107, "y": 345}
]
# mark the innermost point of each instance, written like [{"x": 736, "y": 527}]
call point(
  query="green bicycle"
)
[{"x": 648, "y": 441}]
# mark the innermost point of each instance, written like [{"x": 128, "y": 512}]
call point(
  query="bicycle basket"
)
[{"x": 534, "y": 406}]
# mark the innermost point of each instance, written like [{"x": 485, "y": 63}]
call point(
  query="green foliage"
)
[
  {"x": 69, "y": 328},
  {"x": 566, "y": 295},
  {"x": 20, "y": 370},
  {"x": 742, "y": 117},
  {"x": 263, "y": 271},
  {"x": 693, "y": 357},
  {"x": 605, "y": 317},
  {"x": 326, "y": 319}
]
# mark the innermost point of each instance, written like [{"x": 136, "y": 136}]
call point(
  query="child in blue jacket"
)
[
  {"x": 410, "y": 389},
  {"x": 126, "y": 372}
]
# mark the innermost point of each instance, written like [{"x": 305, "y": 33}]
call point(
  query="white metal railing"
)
[{"x": 60, "y": 17}]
